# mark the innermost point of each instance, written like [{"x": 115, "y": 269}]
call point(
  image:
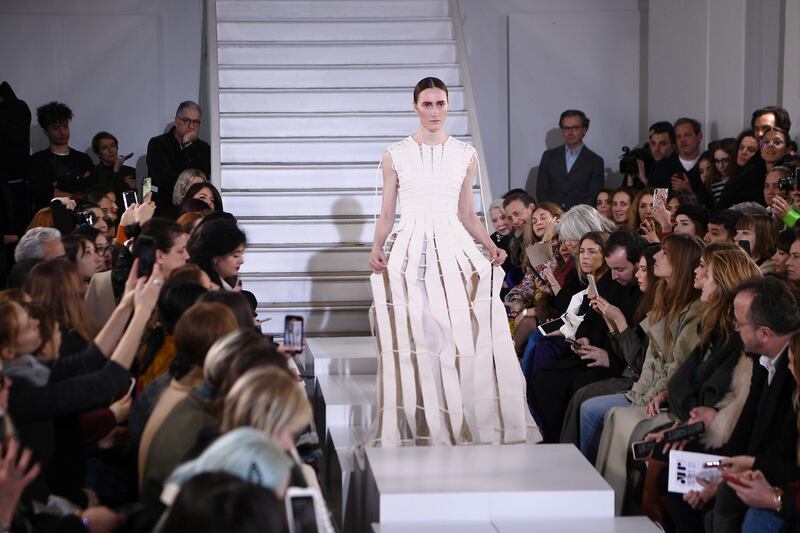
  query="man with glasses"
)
[
  {"x": 570, "y": 174},
  {"x": 173, "y": 152}
]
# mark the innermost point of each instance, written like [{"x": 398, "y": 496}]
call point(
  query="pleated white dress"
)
[{"x": 447, "y": 370}]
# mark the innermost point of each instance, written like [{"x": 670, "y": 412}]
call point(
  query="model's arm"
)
[
  {"x": 466, "y": 210},
  {"x": 385, "y": 221}
]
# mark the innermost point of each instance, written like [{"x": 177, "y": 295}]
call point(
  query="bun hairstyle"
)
[{"x": 429, "y": 83}]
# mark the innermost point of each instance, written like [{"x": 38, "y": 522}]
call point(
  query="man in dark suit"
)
[
  {"x": 680, "y": 170},
  {"x": 570, "y": 174}
]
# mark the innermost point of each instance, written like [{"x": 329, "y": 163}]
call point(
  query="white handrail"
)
[
  {"x": 212, "y": 112},
  {"x": 469, "y": 100}
]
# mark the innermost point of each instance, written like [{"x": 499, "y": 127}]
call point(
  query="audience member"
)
[
  {"x": 80, "y": 252},
  {"x": 186, "y": 179},
  {"x": 721, "y": 226},
  {"x": 620, "y": 207},
  {"x": 206, "y": 193},
  {"x": 173, "y": 152},
  {"x": 725, "y": 157},
  {"x": 570, "y": 174},
  {"x": 218, "y": 248},
  {"x": 111, "y": 171},
  {"x": 603, "y": 202},
  {"x": 691, "y": 220},
  {"x": 759, "y": 234}
]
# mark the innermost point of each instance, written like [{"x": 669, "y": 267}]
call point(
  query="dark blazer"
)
[
  {"x": 578, "y": 186},
  {"x": 660, "y": 176},
  {"x": 166, "y": 160}
]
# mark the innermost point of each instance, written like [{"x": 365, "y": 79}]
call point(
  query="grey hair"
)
[
  {"x": 750, "y": 208},
  {"x": 182, "y": 183},
  {"x": 580, "y": 220},
  {"x": 188, "y": 104},
  {"x": 497, "y": 203},
  {"x": 30, "y": 245}
]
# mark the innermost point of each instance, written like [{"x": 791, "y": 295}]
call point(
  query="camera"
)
[
  {"x": 628, "y": 160},
  {"x": 789, "y": 183},
  {"x": 85, "y": 217}
]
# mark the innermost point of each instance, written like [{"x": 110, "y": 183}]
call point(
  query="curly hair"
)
[{"x": 53, "y": 113}]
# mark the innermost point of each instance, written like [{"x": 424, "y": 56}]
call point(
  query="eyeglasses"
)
[
  {"x": 571, "y": 128},
  {"x": 189, "y": 122},
  {"x": 723, "y": 161},
  {"x": 103, "y": 250},
  {"x": 777, "y": 142}
]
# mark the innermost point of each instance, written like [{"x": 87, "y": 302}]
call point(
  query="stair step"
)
[
  {"x": 241, "y": 125},
  {"x": 332, "y": 76},
  {"x": 308, "y": 203},
  {"x": 283, "y": 288},
  {"x": 319, "y": 319},
  {"x": 329, "y": 100},
  {"x": 339, "y": 176},
  {"x": 305, "y": 258},
  {"x": 335, "y": 29},
  {"x": 320, "y": 230},
  {"x": 336, "y": 53},
  {"x": 308, "y": 149},
  {"x": 299, "y": 9}
]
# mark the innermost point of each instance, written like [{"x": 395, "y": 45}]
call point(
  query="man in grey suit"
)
[{"x": 570, "y": 174}]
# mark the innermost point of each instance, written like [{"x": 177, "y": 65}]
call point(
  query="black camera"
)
[
  {"x": 85, "y": 217},
  {"x": 628, "y": 160},
  {"x": 790, "y": 183}
]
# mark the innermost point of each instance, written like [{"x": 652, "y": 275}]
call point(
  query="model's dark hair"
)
[
  {"x": 574, "y": 113},
  {"x": 175, "y": 299},
  {"x": 649, "y": 295},
  {"x": 520, "y": 195},
  {"x": 212, "y": 239},
  {"x": 782, "y": 119},
  {"x": 75, "y": 246},
  {"x": 774, "y": 304},
  {"x": 692, "y": 122},
  {"x": 53, "y": 113},
  {"x": 429, "y": 83},
  {"x": 663, "y": 127},
  {"x": 725, "y": 217},
  {"x": 197, "y": 187},
  {"x": 99, "y": 137},
  {"x": 162, "y": 231},
  {"x": 633, "y": 243},
  {"x": 785, "y": 239}
]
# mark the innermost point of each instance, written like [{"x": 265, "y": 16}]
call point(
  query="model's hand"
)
[
  {"x": 377, "y": 261},
  {"x": 497, "y": 255}
]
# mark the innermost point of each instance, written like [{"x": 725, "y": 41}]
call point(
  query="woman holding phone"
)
[{"x": 437, "y": 297}]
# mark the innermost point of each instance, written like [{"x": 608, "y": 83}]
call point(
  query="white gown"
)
[{"x": 447, "y": 369}]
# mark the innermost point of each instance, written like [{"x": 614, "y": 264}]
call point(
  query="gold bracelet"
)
[{"x": 777, "y": 494}]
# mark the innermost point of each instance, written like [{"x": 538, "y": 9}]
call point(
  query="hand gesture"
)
[
  {"x": 593, "y": 355},
  {"x": 121, "y": 160},
  {"x": 377, "y": 261},
  {"x": 680, "y": 182},
  {"x": 144, "y": 211},
  {"x": 147, "y": 290},
  {"x": 756, "y": 491},
  {"x": 648, "y": 231},
  {"x": 611, "y": 313},
  {"x": 66, "y": 201},
  {"x": 497, "y": 255},
  {"x": 550, "y": 231},
  {"x": 654, "y": 406},
  {"x": 780, "y": 207},
  {"x": 662, "y": 215},
  {"x": 15, "y": 475}
]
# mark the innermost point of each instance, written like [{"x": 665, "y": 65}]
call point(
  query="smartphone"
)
[
  {"x": 592, "y": 290},
  {"x": 745, "y": 245},
  {"x": 686, "y": 431},
  {"x": 147, "y": 186},
  {"x": 660, "y": 198},
  {"x": 144, "y": 249},
  {"x": 642, "y": 449},
  {"x": 301, "y": 510},
  {"x": 129, "y": 198},
  {"x": 293, "y": 333},
  {"x": 551, "y": 327}
]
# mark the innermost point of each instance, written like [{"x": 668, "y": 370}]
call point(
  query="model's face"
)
[
  {"x": 604, "y": 204},
  {"x": 645, "y": 206},
  {"x": 518, "y": 214},
  {"x": 660, "y": 145},
  {"x": 662, "y": 267},
  {"x": 793, "y": 262},
  {"x": 771, "y": 189},
  {"x": 107, "y": 151},
  {"x": 773, "y": 146},
  {"x": 572, "y": 131},
  {"x": 710, "y": 287},
  {"x": 716, "y": 233},
  {"x": 723, "y": 163},
  {"x": 187, "y": 124},
  {"x": 431, "y": 108},
  {"x": 620, "y": 205},
  {"x": 541, "y": 218},
  {"x": 58, "y": 133},
  {"x": 684, "y": 225},
  {"x": 590, "y": 256},
  {"x": 175, "y": 257},
  {"x": 622, "y": 270},
  {"x": 641, "y": 274},
  {"x": 748, "y": 235},
  {"x": 206, "y": 196},
  {"x": 688, "y": 141},
  {"x": 763, "y": 123},
  {"x": 706, "y": 170},
  {"x": 747, "y": 149},
  {"x": 228, "y": 265},
  {"x": 499, "y": 221},
  {"x": 700, "y": 274},
  {"x": 88, "y": 263},
  {"x": 779, "y": 258}
]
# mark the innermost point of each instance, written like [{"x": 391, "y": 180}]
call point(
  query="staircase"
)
[{"x": 310, "y": 93}]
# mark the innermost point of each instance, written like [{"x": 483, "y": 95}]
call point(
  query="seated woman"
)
[
  {"x": 81, "y": 253},
  {"x": 218, "y": 248},
  {"x": 760, "y": 233},
  {"x": 186, "y": 179},
  {"x": 603, "y": 203},
  {"x": 620, "y": 207},
  {"x": 782, "y": 246},
  {"x": 671, "y": 327},
  {"x": 725, "y": 165},
  {"x": 205, "y": 192}
]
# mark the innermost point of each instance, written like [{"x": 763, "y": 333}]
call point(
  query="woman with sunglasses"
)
[{"x": 774, "y": 146}]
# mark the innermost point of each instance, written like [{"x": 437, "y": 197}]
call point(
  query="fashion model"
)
[{"x": 447, "y": 370}]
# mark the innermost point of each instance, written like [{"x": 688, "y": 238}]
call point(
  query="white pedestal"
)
[
  {"x": 338, "y": 464},
  {"x": 341, "y": 356},
  {"x": 620, "y": 524},
  {"x": 345, "y": 401},
  {"x": 483, "y": 484}
]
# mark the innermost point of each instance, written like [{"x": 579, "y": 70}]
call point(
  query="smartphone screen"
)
[
  {"x": 592, "y": 291},
  {"x": 144, "y": 249},
  {"x": 129, "y": 198},
  {"x": 293, "y": 333},
  {"x": 745, "y": 245},
  {"x": 304, "y": 515},
  {"x": 660, "y": 198},
  {"x": 551, "y": 327},
  {"x": 147, "y": 186},
  {"x": 642, "y": 449}
]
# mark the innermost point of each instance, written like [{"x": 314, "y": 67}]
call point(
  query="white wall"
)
[{"x": 121, "y": 66}]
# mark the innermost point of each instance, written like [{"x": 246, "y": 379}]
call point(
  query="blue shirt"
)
[{"x": 572, "y": 155}]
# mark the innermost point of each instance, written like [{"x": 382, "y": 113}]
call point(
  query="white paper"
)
[{"x": 684, "y": 467}]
